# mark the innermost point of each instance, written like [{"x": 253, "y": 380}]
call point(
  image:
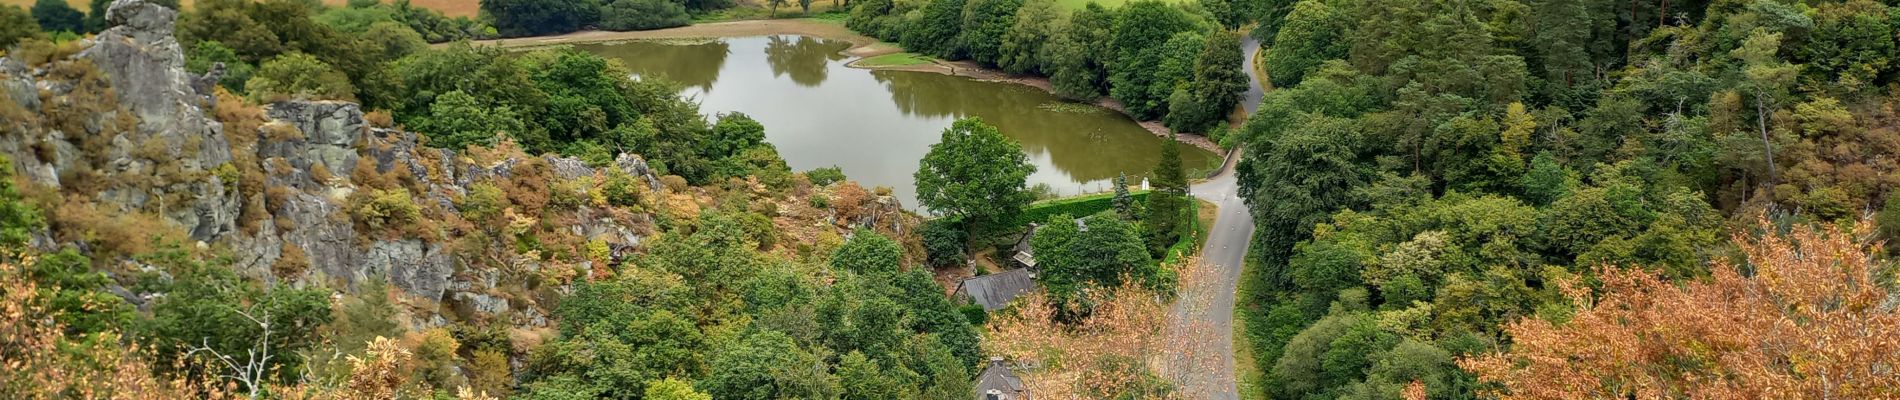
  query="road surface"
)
[{"x": 1201, "y": 322}]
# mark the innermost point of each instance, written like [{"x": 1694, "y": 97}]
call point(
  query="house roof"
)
[
  {"x": 995, "y": 291},
  {"x": 999, "y": 378}
]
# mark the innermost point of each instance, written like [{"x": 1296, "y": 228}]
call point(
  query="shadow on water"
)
[{"x": 877, "y": 124}]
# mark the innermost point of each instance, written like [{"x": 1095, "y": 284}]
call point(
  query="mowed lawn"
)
[{"x": 452, "y": 8}]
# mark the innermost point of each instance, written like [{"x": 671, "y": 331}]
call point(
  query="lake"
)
[{"x": 876, "y": 124}]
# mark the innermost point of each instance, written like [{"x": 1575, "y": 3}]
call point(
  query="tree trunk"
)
[{"x": 1767, "y": 147}]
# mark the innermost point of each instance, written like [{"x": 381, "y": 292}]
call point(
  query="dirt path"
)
[{"x": 862, "y": 47}]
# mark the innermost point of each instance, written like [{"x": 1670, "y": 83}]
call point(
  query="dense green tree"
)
[
  {"x": 96, "y": 15},
  {"x": 1125, "y": 201},
  {"x": 413, "y": 82},
  {"x": 299, "y": 75},
  {"x": 1852, "y": 43},
  {"x": 16, "y": 25},
  {"x": 734, "y": 133},
  {"x": 207, "y": 306},
  {"x": 944, "y": 241},
  {"x": 1023, "y": 48},
  {"x": 1168, "y": 218},
  {"x": 1216, "y": 88},
  {"x": 1303, "y": 176},
  {"x": 976, "y": 174},
  {"x": 864, "y": 379},
  {"x": 635, "y": 15},
  {"x": 1142, "y": 32},
  {"x": 457, "y": 120},
  {"x": 936, "y": 30},
  {"x": 1092, "y": 252},
  {"x": 868, "y": 253},
  {"x": 56, "y": 16},
  {"x": 984, "y": 24},
  {"x": 767, "y": 366},
  {"x": 540, "y": 17},
  {"x": 1271, "y": 14},
  {"x": 1079, "y": 55},
  {"x": 1311, "y": 35}
]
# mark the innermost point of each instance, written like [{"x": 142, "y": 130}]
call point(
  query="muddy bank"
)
[{"x": 862, "y": 47}]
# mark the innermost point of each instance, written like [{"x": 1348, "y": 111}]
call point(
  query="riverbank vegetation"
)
[
  {"x": 1161, "y": 62},
  {"x": 1436, "y": 181}
]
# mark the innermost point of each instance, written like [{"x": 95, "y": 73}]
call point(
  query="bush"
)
[
  {"x": 825, "y": 176},
  {"x": 388, "y": 209},
  {"x": 299, "y": 75},
  {"x": 943, "y": 241},
  {"x": 540, "y": 17},
  {"x": 1083, "y": 206},
  {"x": 622, "y": 189},
  {"x": 202, "y": 55},
  {"x": 634, "y": 15},
  {"x": 16, "y": 25}
]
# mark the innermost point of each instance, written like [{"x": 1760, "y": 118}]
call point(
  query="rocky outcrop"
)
[
  {"x": 421, "y": 269},
  {"x": 146, "y": 68},
  {"x": 327, "y": 132},
  {"x": 151, "y": 146}
]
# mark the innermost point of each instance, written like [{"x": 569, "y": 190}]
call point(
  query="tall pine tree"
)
[{"x": 1167, "y": 204}]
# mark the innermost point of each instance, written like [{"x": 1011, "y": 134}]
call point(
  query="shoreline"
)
[{"x": 862, "y": 47}]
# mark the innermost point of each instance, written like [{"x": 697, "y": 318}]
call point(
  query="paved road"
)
[
  {"x": 1202, "y": 319},
  {"x": 1255, "y": 89}
]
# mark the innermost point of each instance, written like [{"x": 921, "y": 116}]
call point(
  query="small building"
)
[
  {"x": 995, "y": 291},
  {"x": 998, "y": 382}
]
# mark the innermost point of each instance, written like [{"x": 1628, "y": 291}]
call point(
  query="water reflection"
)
[
  {"x": 801, "y": 58},
  {"x": 693, "y": 65},
  {"x": 877, "y": 124}
]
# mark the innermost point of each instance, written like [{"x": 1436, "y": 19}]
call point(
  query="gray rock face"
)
[
  {"x": 330, "y": 131},
  {"x": 633, "y": 164},
  {"x": 422, "y": 269},
  {"x": 146, "y": 68}
]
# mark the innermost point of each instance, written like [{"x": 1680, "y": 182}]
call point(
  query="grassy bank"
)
[{"x": 894, "y": 60}]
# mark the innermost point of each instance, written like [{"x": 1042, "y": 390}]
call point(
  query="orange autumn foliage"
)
[
  {"x": 1123, "y": 349},
  {"x": 1810, "y": 322}
]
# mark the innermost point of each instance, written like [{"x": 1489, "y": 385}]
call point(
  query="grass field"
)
[
  {"x": 895, "y": 60},
  {"x": 452, "y": 8}
]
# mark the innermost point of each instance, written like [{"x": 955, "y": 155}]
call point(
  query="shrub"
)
[
  {"x": 634, "y": 15},
  {"x": 943, "y": 241},
  {"x": 1084, "y": 205},
  {"x": 16, "y": 25},
  {"x": 848, "y": 200},
  {"x": 384, "y": 209},
  {"x": 299, "y": 75},
  {"x": 675, "y": 183},
  {"x": 623, "y": 189},
  {"x": 825, "y": 176}
]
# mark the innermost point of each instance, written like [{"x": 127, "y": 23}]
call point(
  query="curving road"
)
[{"x": 1201, "y": 322}]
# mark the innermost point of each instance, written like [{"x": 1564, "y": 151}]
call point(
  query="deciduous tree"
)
[{"x": 976, "y": 174}]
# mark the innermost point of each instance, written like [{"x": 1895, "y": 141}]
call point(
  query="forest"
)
[
  {"x": 1427, "y": 174},
  {"x": 1452, "y": 199}
]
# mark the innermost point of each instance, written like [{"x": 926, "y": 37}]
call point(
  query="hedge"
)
[{"x": 1078, "y": 207}]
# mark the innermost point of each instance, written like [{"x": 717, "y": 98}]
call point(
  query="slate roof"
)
[
  {"x": 995, "y": 291},
  {"x": 999, "y": 378}
]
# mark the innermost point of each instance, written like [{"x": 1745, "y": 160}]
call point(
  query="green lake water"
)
[{"x": 877, "y": 124}]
